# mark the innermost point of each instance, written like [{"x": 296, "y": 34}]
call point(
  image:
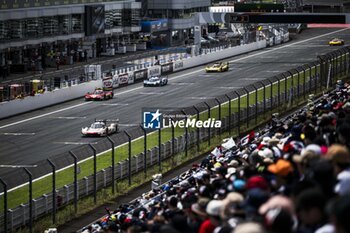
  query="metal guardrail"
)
[{"x": 282, "y": 91}]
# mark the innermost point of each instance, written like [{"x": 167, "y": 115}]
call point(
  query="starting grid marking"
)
[
  {"x": 16, "y": 165},
  {"x": 199, "y": 98},
  {"x": 43, "y": 115},
  {"x": 75, "y": 143},
  {"x": 228, "y": 88},
  {"x": 151, "y": 93},
  {"x": 18, "y": 134},
  {"x": 182, "y": 84},
  {"x": 129, "y": 125},
  {"x": 68, "y": 118},
  {"x": 116, "y": 104}
]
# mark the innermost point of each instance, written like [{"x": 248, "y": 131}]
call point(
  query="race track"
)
[{"x": 35, "y": 136}]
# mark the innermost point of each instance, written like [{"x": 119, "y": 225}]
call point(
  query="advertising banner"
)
[
  {"x": 167, "y": 68},
  {"x": 110, "y": 82},
  {"x": 123, "y": 79},
  {"x": 140, "y": 75},
  {"x": 154, "y": 71},
  {"x": 178, "y": 65}
]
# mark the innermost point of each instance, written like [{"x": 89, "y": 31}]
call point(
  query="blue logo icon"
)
[{"x": 152, "y": 120}]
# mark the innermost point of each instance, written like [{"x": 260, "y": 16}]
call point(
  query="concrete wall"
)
[
  {"x": 221, "y": 54},
  {"x": 29, "y": 103}
]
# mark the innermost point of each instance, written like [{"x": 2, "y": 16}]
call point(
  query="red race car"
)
[{"x": 99, "y": 94}]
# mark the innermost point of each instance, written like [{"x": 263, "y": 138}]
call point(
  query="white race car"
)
[
  {"x": 100, "y": 128},
  {"x": 155, "y": 81}
]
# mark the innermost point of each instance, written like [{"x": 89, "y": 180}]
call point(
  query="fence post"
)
[
  {"x": 95, "y": 173},
  {"x": 292, "y": 87},
  {"x": 285, "y": 88},
  {"x": 4, "y": 184},
  {"x": 129, "y": 164},
  {"x": 247, "y": 111},
  {"x": 341, "y": 62},
  {"x": 208, "y": 107},
  {"x": 219, "y": 103},
  {"x": 278, "y": 92},
  {"x": 298, "y": 83},
  {"x": 186, "y": 134},
  {"x": 334, "y": 63},
  {"x": 197, "y": 129},
  {"x": 229, "y": 113},
  {"x": 316, "y": 79},
  {"x": 30, "y": 178},
  {"x": 256, "y": 104},
  {"x": 264, "y": 95},
  {"x": 271, "y": 93},
  {"x": 159, "y": 149},
  {"x": 172, "y": 141},
  {"x": 304, "y": 85},
  {"x": 310, "y": 87},
  {"x": 113, "y": 163},
  {"x": 322, "y": 70},
  {"x": 144, "y": 149},
  {"x": 53, "y": 166},
  {"x": 239, "y": 112},
  {"x": 75, "y": 181}
]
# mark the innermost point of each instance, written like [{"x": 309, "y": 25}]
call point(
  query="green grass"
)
[{"x": 42, "y": 186}]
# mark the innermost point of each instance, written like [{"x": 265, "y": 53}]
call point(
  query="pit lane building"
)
[{"x": 33, "y": 33}]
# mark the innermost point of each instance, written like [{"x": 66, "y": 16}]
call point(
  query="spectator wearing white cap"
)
[{"x": 213, "y": 210}]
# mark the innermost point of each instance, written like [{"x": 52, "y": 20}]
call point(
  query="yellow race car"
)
[
  {"x": 217, "y": 67},
  {"x": 336, "y": 41}
]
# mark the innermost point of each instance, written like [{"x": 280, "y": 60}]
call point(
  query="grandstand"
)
[{"x": 292, "y": 176}]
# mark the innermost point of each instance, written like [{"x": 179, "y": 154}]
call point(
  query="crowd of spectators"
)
[{"x": 293, "y": 177}]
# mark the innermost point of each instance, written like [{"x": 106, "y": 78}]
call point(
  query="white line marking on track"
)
[
  {"x": 272, "y": 71},
  {"x": 252, "y": 79},
  {"x": 18, "y": 134},
  {"x": 199, "y": 98},
  {"x": 186, "y": 74},
  {"x": 129, "y": 125},
  {"x": 16, "y": 166},
  {"x": 43, "y": 115},
  {"x": 310, "y": 45},
  {"x": 75, "y": 143},
  {"x": 68, "y": 118},
  {"x": 151, "y": 93},
  {"x": 116, "y": 104},
  {"x": 181, "y": 84},
  {"x": 229, "y": 88}
]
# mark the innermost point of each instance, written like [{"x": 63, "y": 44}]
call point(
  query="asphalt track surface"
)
[{"x": 35, "y": 136}]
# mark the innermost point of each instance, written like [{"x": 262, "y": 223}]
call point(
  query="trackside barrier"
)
[
  {"x": 278, "y": 93},
  {"x": 48, "y": 98},
  {"x": 76, "y": 88},
  {"x": 75, "y": 75}
]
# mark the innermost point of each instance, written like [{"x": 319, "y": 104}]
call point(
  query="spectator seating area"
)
[{"x": 293, "y": 176}]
